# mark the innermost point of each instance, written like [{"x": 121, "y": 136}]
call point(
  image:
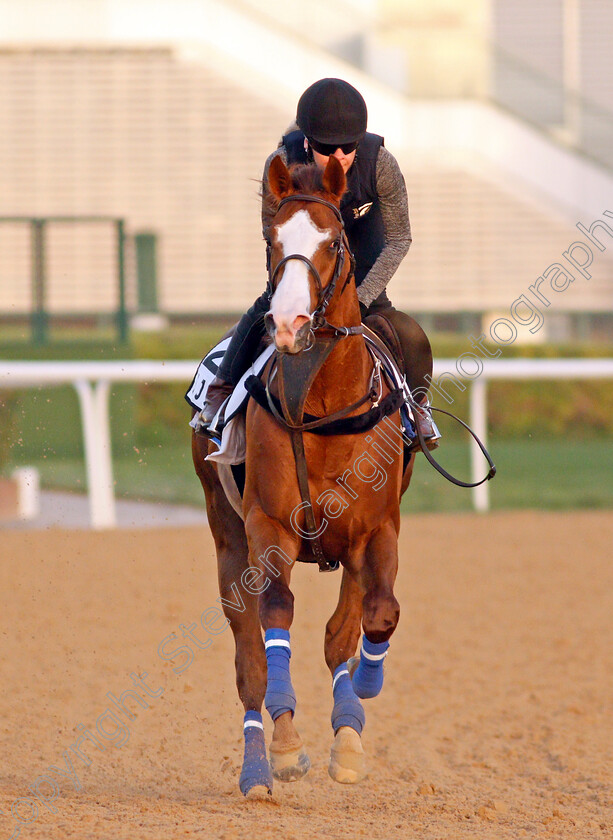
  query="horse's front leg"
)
[
  {"x": 273, "y": 552},
  {"x": 347, "y": 762},
  {"x": 381, "y": 610},
  {"x": 240, "y": 606}
]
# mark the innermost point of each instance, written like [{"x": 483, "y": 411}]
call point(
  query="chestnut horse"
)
[{"x": 349, "y": 508}]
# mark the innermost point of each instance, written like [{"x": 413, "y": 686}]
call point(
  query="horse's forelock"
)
[{"x": 306, "y": 179}]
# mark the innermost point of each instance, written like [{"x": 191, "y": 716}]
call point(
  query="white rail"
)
[{"x": 92, "y": 381}]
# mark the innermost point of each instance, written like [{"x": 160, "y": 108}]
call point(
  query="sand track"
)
[{"x": 495, "y": 720}]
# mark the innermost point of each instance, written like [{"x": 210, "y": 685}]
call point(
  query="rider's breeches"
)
[
  {"x": 250, "y": 330},
  {"x": 244, "y": 343}
]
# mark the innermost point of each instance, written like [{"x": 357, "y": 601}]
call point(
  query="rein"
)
[
  {"x": 374, "y": 338},
  {"x": 440, "y": 469}
]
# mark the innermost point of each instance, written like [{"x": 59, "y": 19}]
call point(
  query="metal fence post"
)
[
  {"x": 39, "y": 318},
  {"x": 146, "y": 271},
  {"x": 122, "y": 313}
]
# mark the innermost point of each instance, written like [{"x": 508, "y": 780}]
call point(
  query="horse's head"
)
[{"x": 309, "y": 249}]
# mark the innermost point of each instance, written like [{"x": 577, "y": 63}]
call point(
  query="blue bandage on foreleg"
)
[
  {"x": 256, "y": 769},
  {"x": 280, "y": 696},
  {"x": 368, "y": 676},
  {"x": 347, "y": 709}
]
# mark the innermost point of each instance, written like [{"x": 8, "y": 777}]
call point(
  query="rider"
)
[{"x": 331, "y": 120}]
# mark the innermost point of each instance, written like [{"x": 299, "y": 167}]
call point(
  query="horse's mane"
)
[{"x": 307, "y": 178}]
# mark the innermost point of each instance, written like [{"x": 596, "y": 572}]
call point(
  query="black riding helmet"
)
[{"x": 332, "y": 112}]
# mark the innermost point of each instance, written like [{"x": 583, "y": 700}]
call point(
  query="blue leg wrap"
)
[
  {"x": 347, "y": 709},
  {"x": 280, "y": 696},
  {"x": 368, "y": 676},
  {"x": 256, "y": 769}
]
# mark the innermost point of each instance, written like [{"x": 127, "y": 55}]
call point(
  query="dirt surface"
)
[{"x": 494, "y": 722}]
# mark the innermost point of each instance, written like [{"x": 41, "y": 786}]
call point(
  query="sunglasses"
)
[{"x": 328, "y": 149}]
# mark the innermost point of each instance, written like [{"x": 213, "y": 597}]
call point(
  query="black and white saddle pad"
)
[
  {"x": 230, "y": 434},
  {"x": 206, "y": 372}
]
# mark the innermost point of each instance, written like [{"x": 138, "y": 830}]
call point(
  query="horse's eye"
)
[{"x": 334, "y": 245}]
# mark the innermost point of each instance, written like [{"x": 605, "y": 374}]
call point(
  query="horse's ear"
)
[
  {"x": 334, "y": 178},
  {"x": 279, "y": 179}
]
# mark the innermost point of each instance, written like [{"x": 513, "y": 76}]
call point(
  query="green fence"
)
[{"x": 39, "y": 311}]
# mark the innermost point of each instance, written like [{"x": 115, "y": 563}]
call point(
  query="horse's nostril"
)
[{"x": 299, "y": 321}]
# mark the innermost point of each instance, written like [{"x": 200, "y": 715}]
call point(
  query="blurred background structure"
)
[
  {"x": 133, "y": 135},
  {"x": 155, "y": 118}
]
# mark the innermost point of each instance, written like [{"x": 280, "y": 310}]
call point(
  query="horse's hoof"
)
[
  {"x": 289, "y": 766},
  {"x": 258, "y": 792},
  {"x": 347, "y": 761}
]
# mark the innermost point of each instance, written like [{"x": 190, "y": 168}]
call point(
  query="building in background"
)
[{"x": 162, "y": 114}]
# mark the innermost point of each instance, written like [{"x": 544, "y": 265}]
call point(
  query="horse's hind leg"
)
[
  {"x": 273, "y": 551},
  {"x": 347, "y": 762},
  {"x": 241, "y": 609}
]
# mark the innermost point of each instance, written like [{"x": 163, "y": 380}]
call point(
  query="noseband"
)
[{"x": 324, "y": 295}]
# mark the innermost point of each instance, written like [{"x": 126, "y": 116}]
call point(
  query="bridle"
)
[{"x": 324, "y": 294}]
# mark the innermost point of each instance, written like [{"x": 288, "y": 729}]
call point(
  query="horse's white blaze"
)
[{"x": 292, "y": 298}]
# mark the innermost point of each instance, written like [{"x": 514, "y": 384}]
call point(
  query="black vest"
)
[{"x": 360, "y": 204}]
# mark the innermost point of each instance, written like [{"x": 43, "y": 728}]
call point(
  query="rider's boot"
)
[
  {"x": 237, "y": 358},
  {"x": 422, "y": 413}
]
